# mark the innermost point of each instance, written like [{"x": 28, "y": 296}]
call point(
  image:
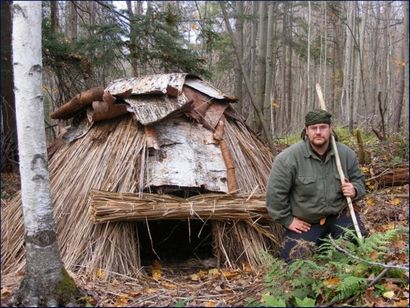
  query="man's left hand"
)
[{"x": 348, "y": 189}]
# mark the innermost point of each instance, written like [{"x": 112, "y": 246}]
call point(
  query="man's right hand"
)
[{"x": 299, "y": 226}]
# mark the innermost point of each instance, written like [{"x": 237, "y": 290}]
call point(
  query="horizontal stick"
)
[{"x": 109, "y": 206}]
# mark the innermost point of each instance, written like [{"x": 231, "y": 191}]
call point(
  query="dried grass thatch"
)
[
  {"x": 109, "y": 207},
  {"x": 112, "y": 157}
]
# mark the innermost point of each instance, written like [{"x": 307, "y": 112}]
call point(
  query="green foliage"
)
[
  {"x": 271, "y": 301},
  {"x": 332, "y": 275},
  {"x": 160, "y": 44},
  {"x": 180, "y": 303}
]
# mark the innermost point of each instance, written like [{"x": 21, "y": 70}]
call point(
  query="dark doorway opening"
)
[{"x": 173, "y": 241}]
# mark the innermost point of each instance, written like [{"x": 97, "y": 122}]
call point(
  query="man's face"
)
[{"x": 318, "y": 134}]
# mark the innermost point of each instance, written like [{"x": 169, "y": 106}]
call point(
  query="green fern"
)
[
  {"x": 349, "y": 286},
  {"x": 331, "y": 275}
]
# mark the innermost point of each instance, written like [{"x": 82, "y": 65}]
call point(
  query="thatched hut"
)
[{"x": 153, "y": 167}]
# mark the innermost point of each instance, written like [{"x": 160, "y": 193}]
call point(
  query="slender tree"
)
[{"x": 46, "y": 282}]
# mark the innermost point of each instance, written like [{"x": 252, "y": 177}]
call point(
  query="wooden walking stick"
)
[{"x": 339, "y": 166}]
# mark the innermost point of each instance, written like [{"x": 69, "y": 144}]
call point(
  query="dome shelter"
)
[{"x": 154, "y": 167}]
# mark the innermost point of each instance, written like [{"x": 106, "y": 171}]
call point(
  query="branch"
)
[{"x": 386, "y": 266}]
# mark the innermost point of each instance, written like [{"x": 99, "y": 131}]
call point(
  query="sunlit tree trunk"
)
[{"x": 46, "y": 282}]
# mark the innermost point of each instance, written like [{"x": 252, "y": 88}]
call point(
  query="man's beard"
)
[{"x": 319, "y": 142}]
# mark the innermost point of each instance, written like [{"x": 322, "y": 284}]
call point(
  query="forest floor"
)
[{"x": 191, "y": 284}]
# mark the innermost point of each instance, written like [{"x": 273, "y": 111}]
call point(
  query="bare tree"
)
[
  {"x": 46, "y": 282},
  {"x": 239, "y": 33},
  {"x": 403, "y": 65},
  {"x": 133, "y": 39},
  {"x": 261, "y": 57},
  {"x": 267, "y": 105}
]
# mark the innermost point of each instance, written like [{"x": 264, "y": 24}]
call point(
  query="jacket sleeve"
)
[
  {"x": 277, "y": 192},
  {"x": 355, "y": 176}
]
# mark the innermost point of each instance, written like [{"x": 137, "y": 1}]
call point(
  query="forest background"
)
[
  {"x": 356, "y": 50},
  {"x": 270, "y": 55}
]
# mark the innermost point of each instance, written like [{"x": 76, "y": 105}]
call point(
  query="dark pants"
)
[{"x": 299, "y": 246}]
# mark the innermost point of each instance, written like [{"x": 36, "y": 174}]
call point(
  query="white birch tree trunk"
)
[{"x": 45, "y": 274}]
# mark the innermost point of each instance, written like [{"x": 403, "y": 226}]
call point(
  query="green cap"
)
[{"x": 317, "y": 116}]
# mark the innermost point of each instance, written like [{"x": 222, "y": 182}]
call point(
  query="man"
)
[{"x": 304, "y": 192}]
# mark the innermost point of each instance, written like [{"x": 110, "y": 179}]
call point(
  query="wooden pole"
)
[{"x": 339, "y": 166}]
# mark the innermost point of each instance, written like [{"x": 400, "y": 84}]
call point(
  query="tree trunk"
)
[
  {"x": 289, "y": 44},
  {"x": 406, "y": 65},
  {"x": 353, "y": 63},
  {"x": 46, "y": 282},
  {"x": 133, "y": 40},
  {"x": 54, "y": 16},
  {"x": 308, "y": 102},
  {"x": 267, "y": 105},
  {"x": 71, "y": 23},
  {"x": 258, "y": 111},
  {"x": 261, "y": 59},
  {"x": 9, "y": 149},
  {"x": 398, "y": 110},
  {"x": 239, "y": 35}
]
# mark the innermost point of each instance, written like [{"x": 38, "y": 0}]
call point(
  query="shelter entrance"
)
[{"x": 174, "y": 241}]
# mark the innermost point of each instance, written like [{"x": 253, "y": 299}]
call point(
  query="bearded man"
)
[{"x": 304, "y": 192}]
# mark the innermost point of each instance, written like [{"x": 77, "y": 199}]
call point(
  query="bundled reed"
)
[
  {"x": 109, "y": 207},
  {"x": 111, "y": 157}
]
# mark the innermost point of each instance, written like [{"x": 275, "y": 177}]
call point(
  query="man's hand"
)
[
  {"x": 299, "y": 226},
  {"x": 348, "y": 189}
]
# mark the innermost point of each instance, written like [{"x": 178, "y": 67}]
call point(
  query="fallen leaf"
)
[
  {"x": 388, "y": 294},
  {"x": 214, "y": 272},
  {"x": 121, "y": 300},
  {"x": 135, "y": 293},
  {"x": 389, "y": 286},
  {"x": 374, "y": 255},
  {"x": 332, "y": 282},
  {"x": 398, "y": 244},
  {"x": 168, "y": 285},
  {"x": 395, "y": 201},
  {"x": 210, "y": 304},
  {"x": 100, "y": 273},
  {"x": 229, "y": 274},
  {"x": 370, "y": 201},
  {"x": 151, "y": 290},
  {"x": 246, "y": 267},
  {"x": 5, "y": 291},
  {"x": 401, "y": 303},
  {"x": 156, "y": 274},
  {"x": 194, "y": 277}
]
